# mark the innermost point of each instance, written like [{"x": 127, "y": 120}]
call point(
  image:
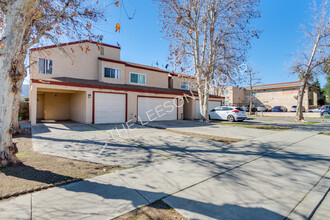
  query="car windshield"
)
[
  {"x": 294, "y": 106},
  {"x": 239, "y": 109}
]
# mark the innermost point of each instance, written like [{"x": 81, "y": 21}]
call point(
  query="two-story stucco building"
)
[
  {"x": 98, "y": 87},
  {"x": 278, "y": 94}
]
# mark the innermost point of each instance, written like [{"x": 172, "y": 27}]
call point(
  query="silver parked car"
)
[
  {"x": 228, "y": 113},
  {"x": 294, "y": 108},
  {"x": 317, "y": 110}
]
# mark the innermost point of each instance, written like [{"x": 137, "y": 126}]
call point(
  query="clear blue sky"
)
[{"x": 141, "y": 38}]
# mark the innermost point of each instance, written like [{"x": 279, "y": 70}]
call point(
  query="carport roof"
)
[{"x": 66, "y": 81}]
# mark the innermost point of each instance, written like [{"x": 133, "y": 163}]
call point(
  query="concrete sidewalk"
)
[{"x": 251, "y": 178}]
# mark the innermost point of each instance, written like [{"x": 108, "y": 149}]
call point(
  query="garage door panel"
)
[
  {"x": 110, "y": 108},
  {"x": 148, "y": 108},
  {"x": 212, "y": 105}
]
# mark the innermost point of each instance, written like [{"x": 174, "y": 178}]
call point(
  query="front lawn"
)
[{"x": 39, "y": 170}]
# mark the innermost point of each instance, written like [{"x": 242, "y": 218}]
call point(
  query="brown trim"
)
[
  {"x": 160, "y": 97},
  {"x": 183, "y": 76},
  {"x": 145, "y": 68},
  {"x": 126, "y": 111},
  {"x": 111, "y": 60},
  {"x": 72, "y": 43},
  {"x": 286, "y": 83},
  {"x": 101, "y": 87},
  {"x": 132, "y": 65}
]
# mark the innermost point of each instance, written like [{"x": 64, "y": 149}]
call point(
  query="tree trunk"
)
[
  {"x": 251, "y": 102},
  {"x": 299, "y": 113},
  {"x": 11, "y": 38},
  {"x": 16, "y": 106},
  {"x": 203, "y": 93},
  {"x": 20, "y": 75}
]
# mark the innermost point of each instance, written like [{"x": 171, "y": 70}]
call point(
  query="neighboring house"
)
[
  {"x": 234, "y": 96},
  {"x": 285, "y": 94},
  {"x": 98, "y": 87},
  {"x": 279, "y": 94}
]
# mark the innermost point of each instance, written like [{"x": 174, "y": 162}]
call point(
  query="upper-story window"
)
[
  {"x": 185, "y": 85},
  {"x": 138, "y": 78},
  {"x": 226, "y": 92},
  {"x": 45, "y": 66},
  {"x": 111, "y": 73}
]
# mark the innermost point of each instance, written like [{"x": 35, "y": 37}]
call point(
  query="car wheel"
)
[
  {"x": 231, "y": 118},
  {"x": 325, "y": 113}
]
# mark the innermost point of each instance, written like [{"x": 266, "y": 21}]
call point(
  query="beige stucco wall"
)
[
  {"x": 189, "y": 108},
  {"x": 236, "y": 96},
  {"x": 57, "y": 106},
  {"x": 153, "y": 78},
  {"x": 40, "y": 106},
  {"x": 280, "y": 97},
  {"x": 78, "y": 107},
  {"x": 121, "y": 67},
  {"x": 76, "y": 64},
  {"x": 80, "y": 65},
  {"x": 176, "y": 82}
]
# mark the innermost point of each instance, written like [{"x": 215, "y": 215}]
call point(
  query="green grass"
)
[
  {"x": 311, "y": 123},
  {"x": 327, "y": 134},
  {"x": 264, "y": 127}
]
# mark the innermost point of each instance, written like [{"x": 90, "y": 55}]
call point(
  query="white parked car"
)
[
  {"x": 261, "y": 109},
  {"x": 228, "y": 113}
]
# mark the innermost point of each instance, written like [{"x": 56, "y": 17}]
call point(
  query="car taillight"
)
[
  {"x": 236, "y": 111},
  {"x": 322, "y": 108}
]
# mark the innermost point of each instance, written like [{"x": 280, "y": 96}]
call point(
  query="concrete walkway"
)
[{"x": 269, "y": 177}]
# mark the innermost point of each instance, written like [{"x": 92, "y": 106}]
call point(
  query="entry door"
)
[
  {"x": 157, "y": 109},
  {"x": 110, "y": 108}
]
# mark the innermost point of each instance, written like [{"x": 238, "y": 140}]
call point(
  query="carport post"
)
[{"x": 33, "y": 105}]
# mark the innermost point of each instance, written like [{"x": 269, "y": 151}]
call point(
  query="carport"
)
[{"x": 61, "y": 105}]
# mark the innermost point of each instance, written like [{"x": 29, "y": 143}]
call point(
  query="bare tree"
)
[
  {"x": 311, "y": 62},
  {"x": 252, "y": 80},
  {"x": 23, "y": 23},
  {"x": 208, "y": 37}
]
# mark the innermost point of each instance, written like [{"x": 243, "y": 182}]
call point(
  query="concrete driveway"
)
[
  {"x": 270, "y": 176},
  {"x": 114, "y": 144}
]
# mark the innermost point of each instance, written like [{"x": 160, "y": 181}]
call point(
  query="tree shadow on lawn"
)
[{"x": 30, "y": 173}]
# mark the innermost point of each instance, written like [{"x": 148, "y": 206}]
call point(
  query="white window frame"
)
[
  {"x": 117, "y": 73},
  {"x": 130, "y": 79},
  {"x": 46, "y": 63},
  {"x": 186, "y": 83},
  {"x": 226, "y": 92}
]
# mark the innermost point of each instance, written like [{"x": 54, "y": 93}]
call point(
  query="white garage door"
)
[
  {"x": 212, "y": 105},
  {"x": 157, "y": 109},
  {"x": 110, "y": 108}
]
